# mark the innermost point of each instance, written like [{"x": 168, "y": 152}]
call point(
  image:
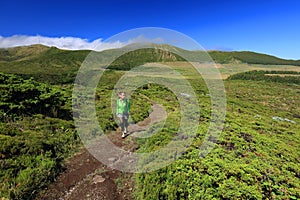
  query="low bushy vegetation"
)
[
  {"x": 36, "y": 135},
  {"x": 270, "y": 76},
  {"x": 27, "y": 97},
  {"x": 256, "y": 157}
]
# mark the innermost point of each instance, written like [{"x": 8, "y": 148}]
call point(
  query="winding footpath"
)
[{"x": 85, "y": 177}]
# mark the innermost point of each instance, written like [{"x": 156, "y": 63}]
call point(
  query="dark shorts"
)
[{"x": 125, "y": 116}]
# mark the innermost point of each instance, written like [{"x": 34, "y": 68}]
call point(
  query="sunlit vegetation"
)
[
  {"x": 36, "y": 134},
  {"x": 256, "y": 157}
]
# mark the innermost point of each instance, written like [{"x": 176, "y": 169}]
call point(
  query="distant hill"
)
[
  {"x": 250, "y": 58},
  {"x": 53, "y": 65},
  {"x": 47, "y": 64},
  {"x": 22, "y": 53}
]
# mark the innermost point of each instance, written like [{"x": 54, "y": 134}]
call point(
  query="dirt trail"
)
[{"x": 87, "y": 178}]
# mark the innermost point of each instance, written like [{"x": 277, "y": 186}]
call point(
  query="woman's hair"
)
[{"x": 120, "y": 93}]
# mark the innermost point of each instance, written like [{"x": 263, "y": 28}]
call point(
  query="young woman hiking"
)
[{"x": 123, "y": 109}]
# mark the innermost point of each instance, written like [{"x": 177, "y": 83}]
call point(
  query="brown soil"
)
[{"x": 85, "y": 177}]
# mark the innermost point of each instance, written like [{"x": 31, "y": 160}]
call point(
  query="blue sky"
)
[{"x": 271, "y": 27}]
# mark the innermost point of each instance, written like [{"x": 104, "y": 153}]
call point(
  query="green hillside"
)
[
  {"x": 250, "y": 58},
  {"x": 22, "y": 53},
  {"x": 36, "y": 134},
  {"x": 49, "y": 64},
  {"x": 54, "y": 65},
  {"x": 256, "y": 157}
]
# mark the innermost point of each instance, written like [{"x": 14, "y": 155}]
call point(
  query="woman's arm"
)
[
  {"x": 128, "y": 105},
  {"x": 117, "y": 110}
]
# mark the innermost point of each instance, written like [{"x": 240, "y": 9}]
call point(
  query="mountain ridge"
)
[
  {"x": 60, "y": 66},
  {"x": 39, "y": 48}
]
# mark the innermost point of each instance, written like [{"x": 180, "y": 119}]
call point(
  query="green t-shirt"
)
[{"x": 123, "y": 107}]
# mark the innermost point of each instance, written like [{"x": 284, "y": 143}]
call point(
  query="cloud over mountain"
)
[{"x": 70, "y": 43}]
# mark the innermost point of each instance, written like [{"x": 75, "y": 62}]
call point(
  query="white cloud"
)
[{"x": 70, "y": 43}]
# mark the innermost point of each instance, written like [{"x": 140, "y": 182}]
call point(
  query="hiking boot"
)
[{"x": 123, "y": 135}]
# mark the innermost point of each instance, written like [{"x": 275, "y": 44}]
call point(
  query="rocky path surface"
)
[{"x": 87, "y": 178}]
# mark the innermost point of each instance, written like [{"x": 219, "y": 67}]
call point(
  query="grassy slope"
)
[
  {"x": 60, "y": 66},
  {"x": 250, "y": 58},
  {"x": 36, "y": 134},
  {"x": 48, "y": 65},
  {"x": 256, "y": 157}
]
